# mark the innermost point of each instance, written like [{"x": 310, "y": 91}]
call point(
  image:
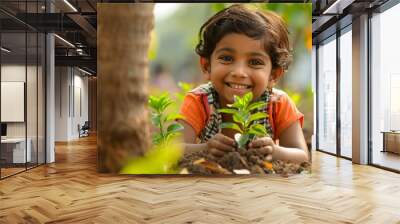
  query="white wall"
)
[
  {"x": 62, "y": 80},
  {"x": 71, "y": 94},
  {"x": 16, "y": 73},
  {"x": 13, "y": 73}
]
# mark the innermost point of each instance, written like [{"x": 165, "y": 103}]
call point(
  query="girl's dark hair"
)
[{"x": 259, "y": 25}]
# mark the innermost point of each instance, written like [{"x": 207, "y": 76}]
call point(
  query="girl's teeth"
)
[{"x": 235, "y": 86}]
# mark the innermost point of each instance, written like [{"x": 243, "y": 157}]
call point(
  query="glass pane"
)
[
  {"x": 14, "y": 153},
  {"x": 346, "y": 94},
  {"x": 41, "y": 99},
  {"x": 386, "y": 89},
  {"x": 314, "y": 77},
  {"x": 32, "y": 86},
  {"x": 327, "y": 96},
  {"x": 31, "y": 100}
]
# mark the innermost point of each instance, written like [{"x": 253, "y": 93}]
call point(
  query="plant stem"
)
[{"x": 161, "y": 128}]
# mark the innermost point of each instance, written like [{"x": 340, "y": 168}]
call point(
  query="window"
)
[
  {"x": 385, "y": 85},
  {"x": 327, "y": 96},
  {"x": 346, "y": 93}
]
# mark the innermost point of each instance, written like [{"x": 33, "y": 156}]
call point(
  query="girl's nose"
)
[{"x": 239, "y": 70}]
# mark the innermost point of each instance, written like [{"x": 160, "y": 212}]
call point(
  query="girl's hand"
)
[
  {"x": 220, "y": 144},
  {"x": 265, "y": 145}
]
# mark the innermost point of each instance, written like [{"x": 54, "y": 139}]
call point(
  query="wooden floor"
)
[
  {"x": 387, "y": 159},
  {"x": 71, "y": 191},
  {"x": 10, "y": 171}
]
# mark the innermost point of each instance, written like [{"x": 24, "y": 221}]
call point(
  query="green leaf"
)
[
  {"x": 246, "y": 116},
  {"x": 237, "y": 102},
  {"x": 238, "y": 118},
  {"x": 159, "y": 104},
  {"x": 174, "y": 128},
  {"x": 241, "y": 103},
  {"x": 157, "y": 139},
  {"x": 164, "y": 102},
  {"x": 156, "y": 119},
  {"x": 247, "y": 99},
  {"x": 164, "y": 106},
  {"x": 227, "y": 111},
  {"x": 257, "y": 116},
  {"x": 231, "y": 126},
  {"x": 153, "y": 103},
  {"x": 244, "y": 138},
  {"x": 258, "y": 130},
  {"x": 162, "y": 98},
  {"x": 257, "y": 105}
]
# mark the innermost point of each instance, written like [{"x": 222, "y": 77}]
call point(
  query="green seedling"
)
[
  {"x": 164, "y": 120},
  {"x": 244, "y": 117}
]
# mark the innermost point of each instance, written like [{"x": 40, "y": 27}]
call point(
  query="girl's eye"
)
[
  {"x": 225, "y": 58},
  {"x": 256, "y": 62}
]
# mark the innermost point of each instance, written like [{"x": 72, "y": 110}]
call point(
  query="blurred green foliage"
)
[
  {"x": 184, "y": 89},
  {"x": 162, "y": 159},
  {"x": 152, "y": 52},
  {"x": 176, "y": 37}
]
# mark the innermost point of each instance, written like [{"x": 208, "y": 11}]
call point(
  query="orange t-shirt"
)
[{"x": 282, "y": 113}]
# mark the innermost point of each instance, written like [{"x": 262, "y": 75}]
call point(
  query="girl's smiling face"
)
[{"x": 238, "y": 65}]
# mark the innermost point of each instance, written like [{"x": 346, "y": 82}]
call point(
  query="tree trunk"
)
[{"x": 123, "y": 39}]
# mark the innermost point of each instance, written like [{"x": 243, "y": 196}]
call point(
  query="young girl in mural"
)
[{"x": 243, "y": 50}]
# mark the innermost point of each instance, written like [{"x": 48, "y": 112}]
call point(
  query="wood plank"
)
[{"x": 72, "y": 191}]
